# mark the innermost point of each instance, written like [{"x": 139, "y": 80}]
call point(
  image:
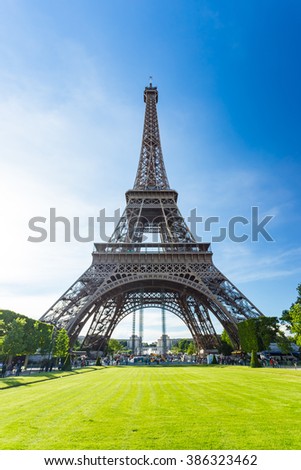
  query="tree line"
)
[
  {"x": 23, "y": 336},
  {"x": 256, "y": 334}
]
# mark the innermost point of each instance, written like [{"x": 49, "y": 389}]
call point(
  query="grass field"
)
[
  {"x": 13, "y": 381},
  {"x": 156, "y": 408}
]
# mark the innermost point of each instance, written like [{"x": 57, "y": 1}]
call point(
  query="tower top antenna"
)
[{"x": 150, "y": 81}]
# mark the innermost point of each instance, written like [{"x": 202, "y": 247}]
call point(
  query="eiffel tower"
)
[{"x": 171, "y": 272}]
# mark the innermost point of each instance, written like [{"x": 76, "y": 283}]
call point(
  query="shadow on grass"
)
[{"x": 13, "y": 381}]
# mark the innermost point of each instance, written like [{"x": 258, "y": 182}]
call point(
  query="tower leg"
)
[
  {"x": 140, "y": 330},
  {"x": 134, "y": 333},
  {"x": 164, "y": 342}
]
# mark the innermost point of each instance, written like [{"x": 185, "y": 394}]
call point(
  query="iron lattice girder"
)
[
  {"x": 186, "y": 307},
  {"x": 144, "y": 298},
  {"x": 177, "y": 267},
  {"x": 152, "y": 212},
  {"x": 151, "y": 173}
]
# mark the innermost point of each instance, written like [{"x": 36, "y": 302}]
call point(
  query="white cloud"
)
[
  {"x": 56, "y": 155},
  {"x": 244, "y": 263}
]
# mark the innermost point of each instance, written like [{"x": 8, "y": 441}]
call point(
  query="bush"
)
[
  {"x": 254, "y": 359},
  {"x": 98, "y": 362}
]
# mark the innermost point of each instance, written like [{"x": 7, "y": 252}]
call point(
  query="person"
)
[
  {"x": 18, "y": 368},
  {"x": 272, "y": 362},
  {"x": 295, "y": 363},
  {"x": 3, "y": 371}
]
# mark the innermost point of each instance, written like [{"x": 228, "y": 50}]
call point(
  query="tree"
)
[
  {"x": 31, "y": 336},
  {"x": 45, "y": 333},
  {"x": 61, "y": 348},
  {"x": 22, "y": 335},
  {"x": 226, "y": 346},
  {"x": 25, "y": 336},
  {"x": 191, "y": 348},
  {"x": 7, "y": 316},
  {"x": 254, "y": 359},
  {"x": 248, "y": 337},
  {"x": 2, "y": 334},
  {"x": 14, "y": 340},
  {"x": 2, "y": 328},
  {"x": 295, "y": 314},
  {"x": 267, "y": 330},
  {"x": 77, "y": 345},
  {"x": 114, "y": 346},
  {"x": 298, "y": 301},
  {"x": 292, "y": 318},
  {"x": 183, "y": 344},
  {"x": 256, "y": 334},
  {"x": 61, "y": 343},
  {"x": 284, "y": 342},
  {"x": 6, "y": 319},
  {"x": 174, "y": 348},
  {"x": 286, "y": 317}
]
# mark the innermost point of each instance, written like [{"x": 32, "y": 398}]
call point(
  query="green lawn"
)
[
  {"x": 156, "y": 408},
  {"x": 13, "y": 381}
]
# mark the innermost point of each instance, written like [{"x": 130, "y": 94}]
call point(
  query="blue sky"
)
[{"x": 72, "y": 75}]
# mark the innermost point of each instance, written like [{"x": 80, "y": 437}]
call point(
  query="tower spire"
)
[{"x": 151, "y": 173}]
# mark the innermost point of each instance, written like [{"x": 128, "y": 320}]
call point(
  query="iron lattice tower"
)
[{"x": 172, "y": 272}]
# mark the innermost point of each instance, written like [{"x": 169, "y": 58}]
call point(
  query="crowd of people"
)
[
  {"x": 149, "y": 359},
  {"x": 15, "y": 367}
]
